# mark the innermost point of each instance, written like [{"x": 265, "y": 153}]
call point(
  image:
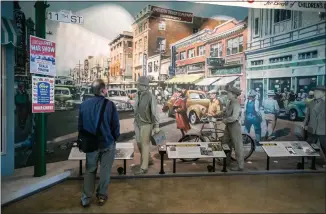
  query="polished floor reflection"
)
[{"x": 246, "y": 194}]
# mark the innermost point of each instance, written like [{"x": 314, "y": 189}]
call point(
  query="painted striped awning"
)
[
  {"x": 184, "y": 79},
  {"x": 8, "y": 32}
]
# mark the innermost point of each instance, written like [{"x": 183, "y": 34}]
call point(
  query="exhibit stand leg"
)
[
  {"x": 162, "y": 163},
  {"x": 302, "y": 162},
  {"x": 124, "y": 166},
  {"x": 267, "y": 165},
  {"x": 313, "y": 163},
  {"x": 224, "y": 165},
  {"x": 174, "y": 165},
  {"x": 80, "y": 167},
  {"x": 213, "y": 164}
]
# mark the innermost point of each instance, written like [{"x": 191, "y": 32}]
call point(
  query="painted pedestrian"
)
[
  {"x": 271, "y": 110},
  {"x": 252, "y": 115},
  {"x": 180, "y": 109}
]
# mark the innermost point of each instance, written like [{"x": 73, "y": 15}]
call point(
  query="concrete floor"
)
[{"x": 303, "y": 193}]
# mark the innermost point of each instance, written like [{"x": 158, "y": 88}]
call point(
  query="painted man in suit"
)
[{"x": 314, "y": 122}]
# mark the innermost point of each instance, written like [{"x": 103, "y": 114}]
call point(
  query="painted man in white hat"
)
[
  {"x": 314, "y": 121},
  {"x": 271, "y": 111},
  {"x": 232, "y": 132},
  {"x": 146, "y": 118}
]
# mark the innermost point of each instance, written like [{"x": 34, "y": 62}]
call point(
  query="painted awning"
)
[
  {"x": 8, "y": 32},
  {"x": 225, "y": 80},
  {"x": 184, "y": 79},
  {"x": 208, "y": 81}
]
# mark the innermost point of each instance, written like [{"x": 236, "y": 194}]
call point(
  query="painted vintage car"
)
[
  {"x": 117, "y": 96},
  {"x": 63, "y": 98},
  {"x": 295, "y": 110},
  {"x": 131, "y": 92},
  {"x": 197, "y": 103}
]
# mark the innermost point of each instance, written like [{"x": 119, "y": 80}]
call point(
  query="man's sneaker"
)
[
  {"x": 141, "y": 172},
  {"x": 84, "y": 205},
  {"x": 101, "y": 200}
]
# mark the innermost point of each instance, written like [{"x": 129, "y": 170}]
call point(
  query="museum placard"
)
[
  {"x": 195, "y": 150},
  {"x": 288, "y": 148}
]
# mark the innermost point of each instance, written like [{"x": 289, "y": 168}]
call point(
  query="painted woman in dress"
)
[{"x": 181, "y": 117}]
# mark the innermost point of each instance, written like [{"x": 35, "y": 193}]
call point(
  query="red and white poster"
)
[
  {"x": 42, "y": 56},
  {"x": 42, "y": 94}
]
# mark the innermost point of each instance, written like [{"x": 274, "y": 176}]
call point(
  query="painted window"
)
[
  {"x": 256, "y": 26},
  {"x": 129, "y": 44},
  {"x": 216, "y": 50},
  {"x": 162, "y": 25},
  {"x": 160, "y": 44},
  {"x": 3, "y": 101},
  {"x": 308, "y": 55},
  {"x": 183, "y": 55},
  {"x": 257, "y": 62},
  {"x": 235, "y": 45},
  {"x": 191, "y": 53},
  {"x": 150, "y": 67},
  {"x": 280, "y": 59},
  {"x": 201, "y": 50},
  {"x": 281, "y": 15}
]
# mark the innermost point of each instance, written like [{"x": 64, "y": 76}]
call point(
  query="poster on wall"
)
[
  {"x": 42, "y": 94},
  {"x": 42, "y": 56}
]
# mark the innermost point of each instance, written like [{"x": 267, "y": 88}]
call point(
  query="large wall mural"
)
[{"x": 276, "y": 62}]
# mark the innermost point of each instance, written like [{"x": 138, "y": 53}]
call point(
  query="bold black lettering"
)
[{"x": 73, "y": 19}]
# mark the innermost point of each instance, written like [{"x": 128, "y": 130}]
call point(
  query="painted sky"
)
[{"x": 103, "y": 21}]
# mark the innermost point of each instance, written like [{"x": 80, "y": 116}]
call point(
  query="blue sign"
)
[{"x": 43, "y": 93}]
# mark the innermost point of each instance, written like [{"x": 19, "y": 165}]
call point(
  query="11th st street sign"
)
[{"x": 66, "y": 17}]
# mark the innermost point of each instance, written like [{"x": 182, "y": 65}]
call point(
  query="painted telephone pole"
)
[{"x": 41, "y": 122}]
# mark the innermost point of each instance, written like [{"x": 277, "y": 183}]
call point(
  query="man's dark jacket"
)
[{"x": 89, "y": 113}]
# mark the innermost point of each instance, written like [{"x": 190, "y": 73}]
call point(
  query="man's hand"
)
[
  {"x": 156, "y": 130},
  {"x": 303, "y": 126}
]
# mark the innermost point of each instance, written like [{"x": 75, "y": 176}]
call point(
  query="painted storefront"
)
[
  {"x": 286, "y": 49},
  {"x": 8, "y": 43}
]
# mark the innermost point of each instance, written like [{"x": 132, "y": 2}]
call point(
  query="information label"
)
[
  {"x": 288, "y": 148},
  {"x": 42, "y": 94},
  {"x": 42, "y": 56},
  {"x": 195, "y": 150},
  {"x": 124, "y": 151}
]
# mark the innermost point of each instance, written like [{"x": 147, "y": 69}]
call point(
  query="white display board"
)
[
  {"x": 288, "y": 148},
  {"x": 195, "y": 150},
  {"x": 124, "y": 151}
]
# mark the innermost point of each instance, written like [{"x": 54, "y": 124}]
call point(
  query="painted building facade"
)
[
  {"x": 8, "y": 43},
  {"x": 286, "y": 49},
  {"x": 97, "y": 68},
  {"x": 121, "y": 59},
  {"x": 217, "y": 55},
  {"x": 155, "y": 29}
]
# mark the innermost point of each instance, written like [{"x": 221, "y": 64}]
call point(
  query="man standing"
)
[
  {"x": 232, "y": 133},
  {"x": 145, "y": 118},
  {"x": 314, "y": 121},
  {"x": 214, "y": 106},
  {"x": 89, "y": 115},
  {"x": 285, "y": 98},
  {"x": 271, "y": 110}
]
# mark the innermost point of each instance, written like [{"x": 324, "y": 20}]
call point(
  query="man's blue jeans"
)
[{"x": 106, "y": 158}]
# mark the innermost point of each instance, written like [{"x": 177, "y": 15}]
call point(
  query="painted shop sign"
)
[
  {"x": 42, "y": 94},
  {"x": 173, "y": 15},
  {"x": 287, "y": 65},
  {"x": 42, "y": 56},
  {"x": 196, "y": 67},
  {"x": 226, "y": 71}
]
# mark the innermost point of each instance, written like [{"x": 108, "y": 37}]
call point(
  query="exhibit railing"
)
[{"x": 290, "y": 36}]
